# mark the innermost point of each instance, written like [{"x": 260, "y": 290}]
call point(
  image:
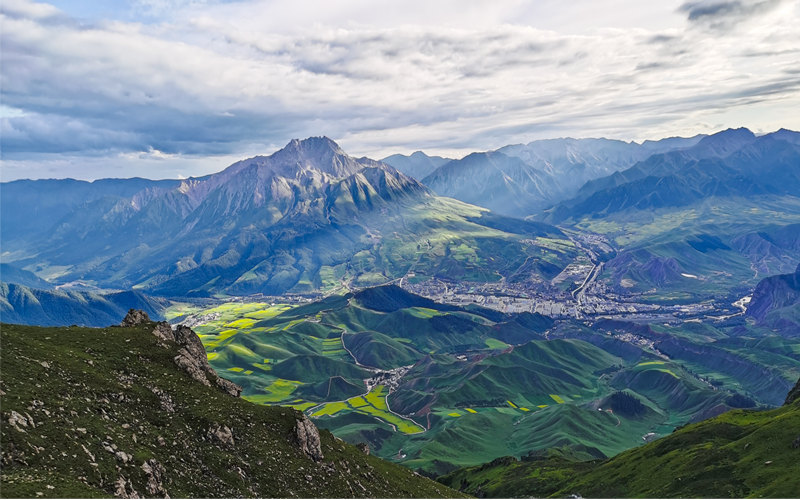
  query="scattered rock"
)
[
  {"x": 364, "y": 447},
  {"x": 135, "y": 317},
  {"x": 796, "y": 443},
  {"x": 124, "y": 489},
  {"x": 164, "y": 399},
  {"x": 155, "y": 478},
  {"x": 17, "y": 421},
  {"x": 123, "y": 457},
  {"x": 307, "y": 436},
  {"x": 91, "y": 455},
  {"x": 221, "y": 433}
]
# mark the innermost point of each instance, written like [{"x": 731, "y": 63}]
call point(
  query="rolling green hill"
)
[
  {"x": 108, "y": 412},
  {"x": 741, "y": 453},
  {"x": 436, "y": 386}
]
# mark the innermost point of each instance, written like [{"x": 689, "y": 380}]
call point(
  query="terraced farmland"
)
[{"x": 436, "y": 386}]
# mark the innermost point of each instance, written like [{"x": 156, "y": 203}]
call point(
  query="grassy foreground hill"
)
[
  {"x": 91, "y": 412},
  {"x": 741, "y": 453}
]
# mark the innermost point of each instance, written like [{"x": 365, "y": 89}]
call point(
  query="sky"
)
[{"x": 179, "y": 88}]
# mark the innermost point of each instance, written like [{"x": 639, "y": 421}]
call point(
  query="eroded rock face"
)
[
  {"x": 191, "y": 356},
  {"x": 163, "y": 331},
  {"x": 307, "y": 437},
  {"x": 135, "y": 317},
  {"x": 155, "y": 473},
  {"x": 229, "y": 387},
  {"x": 124, "y": 489},
  {"x": 191, "y": 365},
  {"x": 222, "y": 434}
]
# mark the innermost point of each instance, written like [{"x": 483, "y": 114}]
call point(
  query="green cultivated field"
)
[
  {"x": 737, "y": 454},
  {"x": 481, "y": 386}
]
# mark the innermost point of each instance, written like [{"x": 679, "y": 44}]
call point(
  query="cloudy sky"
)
[{"x": 171, "y": 88}]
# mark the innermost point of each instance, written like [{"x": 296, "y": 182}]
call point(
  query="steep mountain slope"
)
[
  {"x": 729, "y": 163},
  {"x": 102, "y": 412},
  {"x": 504, "y": 184},
  {"x": 11, "y": 274},
  {"x": 30, "y": 306},
  {"x": 305, "y": 218},
  {"x": 692, "y": 223},
  {"x": 741, "y": 453},
  {"x": 776, "y": 301},
  {"x": 417, "y": 165},
  {"x": 521, "y": 179}
]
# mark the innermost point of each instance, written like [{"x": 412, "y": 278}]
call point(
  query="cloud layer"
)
[{"x": 93, "y": 97}]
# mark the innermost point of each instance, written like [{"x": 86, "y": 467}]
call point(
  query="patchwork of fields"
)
[{"x": 436, "y": 386}]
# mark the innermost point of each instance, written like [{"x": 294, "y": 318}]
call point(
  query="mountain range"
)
[
  {"x": 522, "y": 179},
  {"x": 296, "y": 270},
  {"x": 308, "y": 217},
  {"x": 32, "y": 306}
]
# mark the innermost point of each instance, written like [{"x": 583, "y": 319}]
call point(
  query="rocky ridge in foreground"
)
[{"x": 135, "y": 411}]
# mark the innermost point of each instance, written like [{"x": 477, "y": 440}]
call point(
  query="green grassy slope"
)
[
  {"x": 85, "y": 410},
  {"x": 741, "y": 453},
  {"x": 473, "y": 385}
]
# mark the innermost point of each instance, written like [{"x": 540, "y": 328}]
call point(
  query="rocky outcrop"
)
[
  {"x": 17, "y": 421},
  {"x": 135, "y": 317},
  {"x": 364, "y": 447},
  {"x": 222, "y": 434},
  {"x": 191, "y": 356},
  {"x": 306, "y": 435},
  {"x": 124, "y": 489},
  {"x": 155, "y": 473},
  {"x": 794, "y": 394}
]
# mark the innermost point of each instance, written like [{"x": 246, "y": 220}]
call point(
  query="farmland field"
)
[{"x": 435, "y": 386}]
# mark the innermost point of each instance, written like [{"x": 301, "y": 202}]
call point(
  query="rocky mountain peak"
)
[
  {"x": 319, "y": 153},
  {"x": 725, "y": 142}
]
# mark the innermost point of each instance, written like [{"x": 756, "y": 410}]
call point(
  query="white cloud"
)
[{"x": 223, "y": 80}]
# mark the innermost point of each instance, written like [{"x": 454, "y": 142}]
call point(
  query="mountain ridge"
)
[{"x": 124, "y": 412}]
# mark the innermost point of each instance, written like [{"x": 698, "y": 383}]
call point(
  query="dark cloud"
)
[
  {"x": 725, "y": 14},
  {"x": 218, "y": 89}
]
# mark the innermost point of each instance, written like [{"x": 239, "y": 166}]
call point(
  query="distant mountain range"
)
[
  {"x": 707, "y": 220},
  {"x": 30, "y": 306},
  {"x": 305, "y": 218},
  {"x": 727, "y": 164},
  {"x": 417, "y": 165},
  {"x": 522, "y": 179}
]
